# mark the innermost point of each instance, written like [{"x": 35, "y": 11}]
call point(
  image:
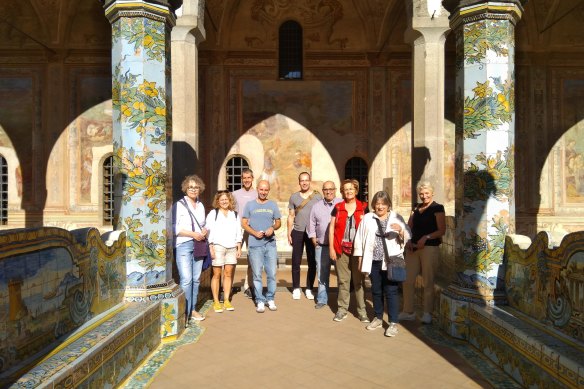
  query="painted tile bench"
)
[
  {"x": 538, "y": 338},
  {"x": 63, "y": 319}
]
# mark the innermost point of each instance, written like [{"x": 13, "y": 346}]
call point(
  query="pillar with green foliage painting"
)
[
  {"x": 142, "y": 151},
  {"x": 485, "y": 132}
]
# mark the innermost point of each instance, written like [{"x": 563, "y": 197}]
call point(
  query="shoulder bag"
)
[{"x": 396, "y": 264}]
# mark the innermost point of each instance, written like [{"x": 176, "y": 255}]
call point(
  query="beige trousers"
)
[
  {"x": 348, "y": 268},
  {"x": 423, "y": 262}
]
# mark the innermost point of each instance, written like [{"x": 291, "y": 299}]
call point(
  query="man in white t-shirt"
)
[{"x": 242, "y": 196}]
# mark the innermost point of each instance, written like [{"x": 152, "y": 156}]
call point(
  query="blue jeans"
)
[
  {"x": 189, "y": 270},
  {"x": 323, "y": 270},
  {"x": 263, "y": 257},
  {"x": 380, "y": 285}
]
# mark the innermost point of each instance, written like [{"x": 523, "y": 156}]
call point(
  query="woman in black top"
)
[{"x": 427, "y": 222}]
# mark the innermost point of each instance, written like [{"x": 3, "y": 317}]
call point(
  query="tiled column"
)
[
  {"x": 485, "y": 132},
  {"x": 427, "y": 34},
  {"x": 142, "y": 151}
]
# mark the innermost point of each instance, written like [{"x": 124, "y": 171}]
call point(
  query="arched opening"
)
[
  {"x": 290, "y": 51},
  {"x": 356, "y": 168},
  {"x": 233, "y": 169}
]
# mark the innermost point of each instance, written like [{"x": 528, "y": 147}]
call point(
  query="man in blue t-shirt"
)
[{"x": 260, "y": 219}]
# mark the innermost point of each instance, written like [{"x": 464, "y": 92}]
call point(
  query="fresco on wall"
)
[
  {"x": 287, "y": 153},
  {"x": 574, "y": 141},
  {"x": 95, "y": 129},
  {"x": 279, "y": 114},
  {"x": 321, "y": 106}
]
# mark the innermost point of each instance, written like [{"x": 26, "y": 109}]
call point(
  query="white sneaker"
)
[
  {"x": 260, "y": 308},
  {"x": 296, "y": 294},
  {"x": 406, "y": 316},
  {"x": 426, "y": 318},
  {"x": 309, "y": 294},
  {"x": 391, "y": 331},
  {"x": 375, "y": 324},
  {"x": 272, "y": 306}
]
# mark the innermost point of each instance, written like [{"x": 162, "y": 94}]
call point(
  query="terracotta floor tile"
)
[{"x": 301, "y": 347}]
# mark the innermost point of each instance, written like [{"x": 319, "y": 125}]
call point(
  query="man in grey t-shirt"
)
[{"x": 299, "y": 207}]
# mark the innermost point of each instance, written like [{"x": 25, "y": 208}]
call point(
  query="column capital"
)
[
  {"x": 467, "y": 11},
  {"x": 160, "y": 10}
]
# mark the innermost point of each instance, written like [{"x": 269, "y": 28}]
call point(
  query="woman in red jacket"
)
[{"x": 345, "y": 219}]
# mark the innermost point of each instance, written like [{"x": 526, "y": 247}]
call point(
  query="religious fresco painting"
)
[
  {"x": 573, "y": 150},
  {"x": 94, "y": 128},
  {"x": 289, "y": 119}
]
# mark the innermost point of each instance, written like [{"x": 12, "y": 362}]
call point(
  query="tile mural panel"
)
[{"x": 53, "y": 281}]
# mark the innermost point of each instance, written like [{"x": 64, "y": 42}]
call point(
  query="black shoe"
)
[{"x": 248, "y": 293}]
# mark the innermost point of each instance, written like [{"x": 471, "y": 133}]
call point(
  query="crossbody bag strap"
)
[
  {"x": 183, "y": 202},
  {"x": 306, "y": 200}
]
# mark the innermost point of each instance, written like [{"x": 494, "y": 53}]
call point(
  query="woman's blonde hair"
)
[
  {"x": 227, "y": 193},
  {"x": 196, "y": 179},
  {"x": 425, "y": 185}
]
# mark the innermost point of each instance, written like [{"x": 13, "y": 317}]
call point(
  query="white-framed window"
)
[
  {"x": 356, "y": 168},
  {"x": 234, "y": 167}
]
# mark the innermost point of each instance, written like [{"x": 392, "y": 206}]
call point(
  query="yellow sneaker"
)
[
  {"x": 228, "y": 306},
  {"x": 217, "y": 307}
]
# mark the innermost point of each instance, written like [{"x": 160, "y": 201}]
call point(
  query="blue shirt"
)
[{"x": 260, "y": 218}]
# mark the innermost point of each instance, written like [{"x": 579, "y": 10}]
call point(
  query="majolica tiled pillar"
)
[
  {"x": 485, "y": 132},
  {"x": 142, "y": 151}
]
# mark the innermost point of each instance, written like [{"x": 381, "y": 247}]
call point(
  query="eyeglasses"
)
[
  {"x": 222, "y": 191},
  {"x": 328, "y": 189},
  {"x": 193, "y": 188}
]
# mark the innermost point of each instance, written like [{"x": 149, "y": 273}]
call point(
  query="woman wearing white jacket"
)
[{"x": 369, "y": 249}]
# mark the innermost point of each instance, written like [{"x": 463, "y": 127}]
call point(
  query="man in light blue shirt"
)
[
  {"x": 318, "y": 232},
  {"x": 260, "y": 219}
]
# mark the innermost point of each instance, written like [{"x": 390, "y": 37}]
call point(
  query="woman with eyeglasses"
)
[
  {"x": 380, "y": 243},
  {"x": 225, "y": 237},
  {"x": 345, "y": 219},
  {"x": 189, "y": 229}
]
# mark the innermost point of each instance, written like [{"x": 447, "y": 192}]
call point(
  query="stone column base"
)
[{"x": 172, "y": 306}]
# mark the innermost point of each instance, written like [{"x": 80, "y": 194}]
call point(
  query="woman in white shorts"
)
[{"x": 225, "y": 246}]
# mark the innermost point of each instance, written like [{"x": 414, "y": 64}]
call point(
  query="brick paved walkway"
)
[{"x": 301, "y": 347}]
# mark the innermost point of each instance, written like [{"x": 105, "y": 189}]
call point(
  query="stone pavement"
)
[{"x": 298, "y": 346}]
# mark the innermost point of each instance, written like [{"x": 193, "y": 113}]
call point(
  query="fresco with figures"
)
[{"x": 289, "y": 120}]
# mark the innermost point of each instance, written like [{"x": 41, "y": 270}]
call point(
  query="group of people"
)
[{"x": 333, "y": 231}]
